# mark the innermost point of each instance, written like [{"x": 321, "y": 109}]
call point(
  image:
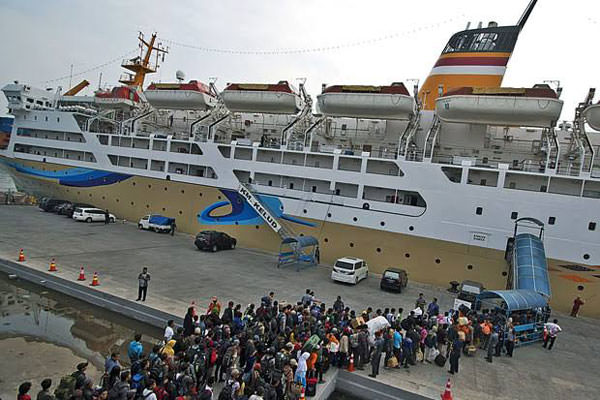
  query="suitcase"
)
[
  {"x": 440, "y": 360},
  {"x": 471, "y": 350},
  {"x": 392, "y": 362},
  {"x": 311, "y": 387}
]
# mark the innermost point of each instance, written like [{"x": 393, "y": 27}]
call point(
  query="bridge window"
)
[
  {"x": 479, "y": 210},
  {"x": 514, "y": 215},
  {"x": 551, "y": 220},
  {"x": 592, "y": 226}
]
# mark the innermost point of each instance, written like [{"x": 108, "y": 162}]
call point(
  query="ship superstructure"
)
[{"x": 430, "y": 179}]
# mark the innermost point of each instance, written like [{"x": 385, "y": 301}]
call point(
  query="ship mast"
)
[{"x": 141, "y": 65}]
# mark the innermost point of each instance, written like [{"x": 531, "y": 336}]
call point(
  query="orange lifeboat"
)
[
  {"x": 361, "y": 101},
  {"x": 279, "y": 98},
  {"x": 535, "y": 107},
  {"x": 193, "y": 95}
]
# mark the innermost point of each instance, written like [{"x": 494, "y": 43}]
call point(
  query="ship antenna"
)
[{"x": 526, "y": 14}]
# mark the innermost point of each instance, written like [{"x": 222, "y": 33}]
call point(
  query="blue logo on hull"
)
[{"x": 241, "y": 212}]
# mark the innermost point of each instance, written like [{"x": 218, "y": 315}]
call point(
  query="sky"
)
[{"x": 41, "y": 39}]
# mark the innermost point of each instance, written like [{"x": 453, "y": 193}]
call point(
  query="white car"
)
[
  {"x": 91, "y": 215},
  {"x": 350, "y": 270}
]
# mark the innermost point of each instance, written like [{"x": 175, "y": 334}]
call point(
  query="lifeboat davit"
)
[
  {"x": 117, "y": 97},
  {"x": 279, "y": 98},
  {"x": 193, "y": 95},
  {"x": 535, "y": 107},
  {"x": 592, "y": 115},
  {"x": 357, "y": 101}
]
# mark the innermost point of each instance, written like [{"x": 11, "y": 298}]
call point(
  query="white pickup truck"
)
[{"x": 156, "y": 223}]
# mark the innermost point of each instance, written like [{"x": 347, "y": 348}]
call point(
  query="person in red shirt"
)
[
  {"x": 23, "y": 391},
  {"x": 576, "y": 304}
]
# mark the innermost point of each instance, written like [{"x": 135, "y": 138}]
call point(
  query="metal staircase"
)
[
  {"x": 409, "y": 133},
  {"x": 583, "y": 141},
  {"x": 265, "y": 212},
  {"x": 431, "y": 138}
]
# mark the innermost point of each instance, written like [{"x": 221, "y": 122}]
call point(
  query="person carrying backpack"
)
[
  {"x": 148, "y": 392},
  {"x": 121, "y": 389}
]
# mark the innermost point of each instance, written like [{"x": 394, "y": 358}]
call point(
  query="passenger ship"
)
[{"x": 430, "y": 181}]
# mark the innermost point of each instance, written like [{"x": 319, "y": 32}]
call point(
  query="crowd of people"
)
[{"x": 276, "y": 351}]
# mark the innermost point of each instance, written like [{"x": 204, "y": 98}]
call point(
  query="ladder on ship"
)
[
  {"x": 431, "y": 138},
  {"x": 581, "y": 139},
  {"x": 265, "y": 212},
  {"x": 409, "y": 133}
]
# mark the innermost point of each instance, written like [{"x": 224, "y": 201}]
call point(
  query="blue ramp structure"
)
[{"x": 299, "y": 250}]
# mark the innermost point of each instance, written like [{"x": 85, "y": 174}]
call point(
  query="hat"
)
[
  {"x": 293, "y": 362},
  {"x": 289, "y": 345},
  {"x": 82, "y": 365}
]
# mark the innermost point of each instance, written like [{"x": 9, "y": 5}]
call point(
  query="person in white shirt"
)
[
  {"x": 551, "y": 329},
  {"x": 169, "y": 332},
  {"x": 148, "y": 393}
]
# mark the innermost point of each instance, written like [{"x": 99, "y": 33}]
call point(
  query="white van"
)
[
  {"x": 91, "y": 215},
  {"x": 350, "y": 270}
]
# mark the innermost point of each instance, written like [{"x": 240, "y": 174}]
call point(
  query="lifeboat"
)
[
  {"x": 378, "y": 102},
  {"x": 193, "y": 95},
  {"x": 280, "y": 98},
  {"x": 117, "y": 97},
  {"x": 592, "y": 115},
  {"x": 535, "y": 107}
]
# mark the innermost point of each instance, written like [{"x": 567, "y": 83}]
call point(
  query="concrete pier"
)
[{"x": 180, "y": 274}]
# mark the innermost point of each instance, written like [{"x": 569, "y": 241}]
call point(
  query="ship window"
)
[
  {"x": 586, "y": 256},
  {"x": 469, "y": 267},
  {"x": 304, "y": 211},
  {"x": 343, "y": 127},
  {"x": 354, "y": 219},
  {"x": 291, "y": 185},
  {"x": 328, "y": 215},
  {"x": 351, "y": 244},
  {"x": 543, "y": 188},
  {"x": 479, "y": 210},
  {"x": 35, "y": 117},
  {"x": 592, "y": 226},
  {"x": 270, "y": 183},
  {"x": 411, "y": 228},
  {"x": 551, "y": 220},
  {"x": 378, "y": 249},
  {"x": 326, "y": 240},
  {"x": 483, "y": 182},
  {"x": 514, "y": 215},
  {"x": 314, "y": 189},
  {"x": 382, "y": 223}
]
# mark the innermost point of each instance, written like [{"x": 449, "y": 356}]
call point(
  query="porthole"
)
[
  {"x": 504, "y": 273},
  {"x": 90, "y": 195},
  {"x": 256, "y": 226},
  {"x": 469, "y": 267},
  {"x": 117, "y": 200},
  {"x": 354, "y": 219},
  {"x": 218, "y": 197},
  {"x": 302, "y": 234},
  {"x": 132, "y": 203},
  {"x": 366, "y": 206},
  {"x": 411, "y": 228},
  {"x": 382, "y": 223},
  {"x": 200, "y": 194},
  {"x": 378, "y": 249},
  {"x": 149, "y": 186},
  {"x": 326, "y": 240},
  {"x": 180, "y": 212},
  {"x": 132, "y": 183},
  {"x": 580, "y": 288},
  {"x": 407, "y": 255},
  {"x": 237, "y": 223},
  {"x": 165, "y": 188},
  {"x": 586, "y": 256},
  {"x": 328, "y": 215},
  {"x": 147, "y": 205},
  {"x": 437, "y": 261},
  {"x": 164, "y": 209},
  {"x": 103, "y": 198},
  {"x": 351, "y": 244},
  {"x": 304, "y": 211},
  {"x": 182, "y": 191}
]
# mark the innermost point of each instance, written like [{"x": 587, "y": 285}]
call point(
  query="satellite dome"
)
[{"x": 180, "y": 75}]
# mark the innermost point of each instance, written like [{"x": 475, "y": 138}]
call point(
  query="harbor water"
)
[{"x": 44, "y": 334}]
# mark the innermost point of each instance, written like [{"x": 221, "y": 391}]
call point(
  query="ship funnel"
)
[{"x": 473, "y": 58}]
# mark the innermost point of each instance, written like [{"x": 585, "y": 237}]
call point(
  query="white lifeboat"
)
[
  {"x": 193, "y": 95},
  {"x": 118, "y": 97},
  {"x": 280, "y": 98},
  {"x": 535, "y": 107},
  {"x": 358, "y": 101},
  {"x": 592, "y": 115}
]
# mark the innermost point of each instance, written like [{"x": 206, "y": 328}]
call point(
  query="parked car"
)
[
  {"x": 68, "y": 209},
  {"x": 91, "y": 215},
  {"x": 156, "y": 223},
  {"x": 467, "y": 294},
  {"x": 49, "y": 204},
  {"x": 394, "y": 279},
  {"x": 61, "y": 208},
  {"x": 213, "y": 241},
  {"x": 350, "y": 270}
]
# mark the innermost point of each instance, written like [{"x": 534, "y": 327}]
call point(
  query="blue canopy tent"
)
[
  {"x": 299, "y": 250},
  {"x": 530, "y": 306}
]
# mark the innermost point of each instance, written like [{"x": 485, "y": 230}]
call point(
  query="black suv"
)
[
  {"x": 49, "y": 205},
  {"x": 394, "y": 279},
  {"x": 69, "y": 208},
  {"x": 213, "y": 241}
]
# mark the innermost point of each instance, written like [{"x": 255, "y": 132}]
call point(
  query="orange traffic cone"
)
[
  {"x": 95, "y": 281},
  {"x": 351, "y": 365},
  {"x": 21, "y": 256},
  {"x": 447, "y": 395},
  {"x": 52, "y": 266},
  {"x": 302, "y": 393},
  {"x": 81, "y": 275}
]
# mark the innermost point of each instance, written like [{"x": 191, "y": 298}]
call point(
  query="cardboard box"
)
[{"x": 356, "y": 322}]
